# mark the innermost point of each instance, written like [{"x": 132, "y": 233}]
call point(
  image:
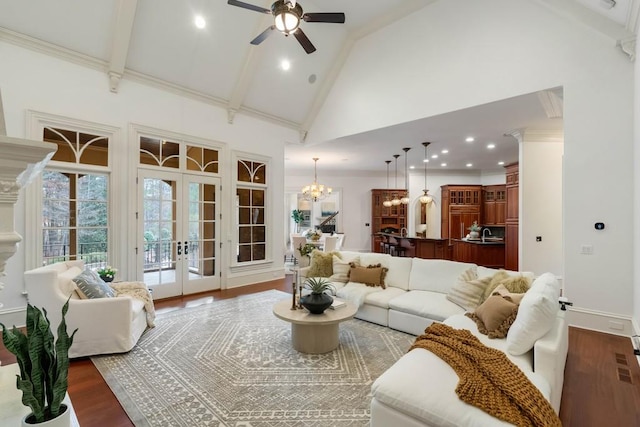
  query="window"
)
[
  {"x": 251, "y": 191},
  {"x": 75, "y": 198}
]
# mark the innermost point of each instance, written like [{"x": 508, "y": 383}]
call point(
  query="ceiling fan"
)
[{"x": 287, "y": 16}]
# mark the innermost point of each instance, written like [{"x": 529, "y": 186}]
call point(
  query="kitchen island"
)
[
  {"x": 419, "y": 247},
  {"x": 488, "y": 253}
]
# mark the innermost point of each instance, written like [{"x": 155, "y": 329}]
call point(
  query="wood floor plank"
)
[{"x": 593, "y": 394}]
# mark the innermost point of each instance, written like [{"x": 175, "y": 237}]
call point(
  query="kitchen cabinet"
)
[
  {"x": 494, "y": 202},
  {"x": 512, "y": 218},
  {"x": 490, "y": 254},
  {"x": 389, "y": 220},
  {"x": 461, "y": 206}
]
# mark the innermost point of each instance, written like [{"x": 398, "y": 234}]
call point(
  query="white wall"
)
[
  {"x": 636, "y": 194},
  {"x": 459, "y": 54},
  {"x": 32, "y": 81},
  {"x": 540, "y": 175}
]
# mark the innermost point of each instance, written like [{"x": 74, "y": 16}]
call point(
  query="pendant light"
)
[
  {"x": 396, "y": 200},
  {"x": 387, "y": 202},
  {"x": 425, "y": 198},
  {"x": 405, "y": 200}
]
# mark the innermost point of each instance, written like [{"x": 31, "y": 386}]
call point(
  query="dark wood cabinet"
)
[
  {"x": 494, "y": 203},
  {"x": 385, "y": 219},
  {"x": 490, "y": 255},
  {"x": 461, "y": 206},
  {"x": 512, "y": 218}
]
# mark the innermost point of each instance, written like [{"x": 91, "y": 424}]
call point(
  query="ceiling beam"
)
[
  {"x": 249, "y": 67},
  {"x": 385, "y": 19},
  {"x": 125, "y": 15}
]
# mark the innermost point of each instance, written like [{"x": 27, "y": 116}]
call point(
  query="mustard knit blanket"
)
[{"x": 488, "y": 379}]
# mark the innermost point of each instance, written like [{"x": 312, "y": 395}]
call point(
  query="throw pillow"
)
[
  {"x": 468, "y": 289},
  {"x": 505, "y": 293},
  {"x": 495, "y": 316},
  {"x": 516, "y": 283},
  {"x": 90, "y": 286},
  {"x": 341, "y": 269},
  {"x": 372, "y": 275},
  {"x": 538, "y": 311},
  {"x": 321, "y": 264}
]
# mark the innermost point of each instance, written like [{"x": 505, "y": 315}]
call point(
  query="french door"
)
[{"x": 178, "y": 229}]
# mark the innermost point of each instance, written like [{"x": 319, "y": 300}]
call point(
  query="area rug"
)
[{"x": 230, "y": 363}]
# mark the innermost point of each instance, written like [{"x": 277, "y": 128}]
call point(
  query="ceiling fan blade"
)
[
  {"x": 249, "y": 6},
  {"x": 263, "y": 35},
  {"x": 334, "y": 18},
  {"x": 304, "y": 41}
]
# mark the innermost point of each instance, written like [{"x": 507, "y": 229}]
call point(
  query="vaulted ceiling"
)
[{"x": 156, "y": 42}]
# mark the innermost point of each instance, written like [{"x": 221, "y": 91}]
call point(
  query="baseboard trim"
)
[
  {"x": 14, "y": 316},
  {"x": 601, "y": 321},
  {"x": 249, "y": 278}
]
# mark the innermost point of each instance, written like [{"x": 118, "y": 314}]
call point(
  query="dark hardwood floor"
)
[{"x": 601, "y": 387}]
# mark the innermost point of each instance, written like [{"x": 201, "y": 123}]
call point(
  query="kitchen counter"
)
[
  {"x": 490, "y": 241},
  {"x": 488, "y": 253},
  {"x": 420, "y": 247}
]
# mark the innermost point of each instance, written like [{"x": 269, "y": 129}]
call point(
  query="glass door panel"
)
[{"x": 201, "y": 243}]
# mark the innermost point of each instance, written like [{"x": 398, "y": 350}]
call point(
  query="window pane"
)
[
  {"x": 92, "y": 214},
  {"x": 257, "y": 197}
]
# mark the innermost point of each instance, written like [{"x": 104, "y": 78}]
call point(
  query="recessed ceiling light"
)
[
  {"x": 500, "y": 163},
  {"x": 200, "y": 22},
  {"x": 412, "y": 167},
  {"x": 470, "y": 139},
  {"x": 445, "y": 151},
  {"x": 285, "y": 64},
  {"x": 434, "y": 156},
  {"x": 491, "y": 146},
  {"x": 469, "y": 165},
  {"x": 425, "y": 161},
  {"x": 443, "y": 165}
]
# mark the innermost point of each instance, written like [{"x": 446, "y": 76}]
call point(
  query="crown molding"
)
[
  {"x": 78, "y": 58},
  {"x": 543, "y": 135},
  {"x": 553, "y": 105}
]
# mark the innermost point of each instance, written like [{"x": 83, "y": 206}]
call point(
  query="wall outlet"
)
[
  {"x": 586, "y": 249},
  {"x": 538, "y": 238}
]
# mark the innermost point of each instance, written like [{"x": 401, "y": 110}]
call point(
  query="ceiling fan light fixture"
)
[{"x": 287, "y": 16}]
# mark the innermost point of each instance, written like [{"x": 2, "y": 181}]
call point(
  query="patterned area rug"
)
[{"x": 230, "y": 363}]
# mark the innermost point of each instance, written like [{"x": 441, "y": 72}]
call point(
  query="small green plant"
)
[
  {"x": 107, "y": 272},
  {"x": 474, "y": 227},
  {"x": 44, "y": 364},
  {"x": 313, "y": 234},
  {"x": 297, "y": 216},
  {"x": 306, "y": 249},
  {"x": 318, "y": 285}
]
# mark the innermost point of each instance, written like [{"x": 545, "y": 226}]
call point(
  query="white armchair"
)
[{"x": 105, "y": 325}]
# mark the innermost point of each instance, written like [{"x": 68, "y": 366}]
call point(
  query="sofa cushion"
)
[
  {"x": 431, "y": 305},
  {"x": 355, "y": 293},
  {"x": 517, "y": 283},
  {"x": 65, "y": 281},
  {"x": 341, "y": 268},
  {"x": 422, "y": 385},
  {"x": 468, "y": 289},
  {"x": 90, "y": 285},
  {"x": 321, "y": 264},
  {"x": 381, "y": 299},
  {"x": 511, "y": 296},
  {"x": 495, "y": 316},
  {"x": 371, "y": 275},
  {"x": 538, "y": 310},
  {"x": 435, "y": 274},
  {"x": 399, "y": 271},
  {"x": 372, "y": 258}
]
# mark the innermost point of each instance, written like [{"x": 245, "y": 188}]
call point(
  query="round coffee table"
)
[{"x": 314, "y": 333}]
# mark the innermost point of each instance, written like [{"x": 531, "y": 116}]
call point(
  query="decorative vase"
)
[
  {"x": 62, "y": 420},
  {"x": 316, "y": 303},
  {"x": 474, "y": 234}
]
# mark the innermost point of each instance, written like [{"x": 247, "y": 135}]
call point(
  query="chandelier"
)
[
  {"x": 387, "y": 201},
  {"x": 425, "y": 198},
  {"x": 315, "y": 191},
  {"x": 406, "y": 199},
  {"x": 396, "y": 201}
]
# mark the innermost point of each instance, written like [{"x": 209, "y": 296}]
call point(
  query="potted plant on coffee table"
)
[
  {"x": 44, "y": 367},
  {"x": 318, "y": 300}
]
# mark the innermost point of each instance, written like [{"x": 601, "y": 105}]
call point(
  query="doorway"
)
[{"x": 178, "y": 229}]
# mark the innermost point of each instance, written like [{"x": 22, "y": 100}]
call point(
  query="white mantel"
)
[{"x": 20, "y": 161}]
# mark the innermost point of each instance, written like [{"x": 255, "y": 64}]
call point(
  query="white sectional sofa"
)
[{"x": 419, "y": 389}]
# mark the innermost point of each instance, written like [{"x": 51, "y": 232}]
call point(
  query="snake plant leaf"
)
[{"x": 63, "y": 344}]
